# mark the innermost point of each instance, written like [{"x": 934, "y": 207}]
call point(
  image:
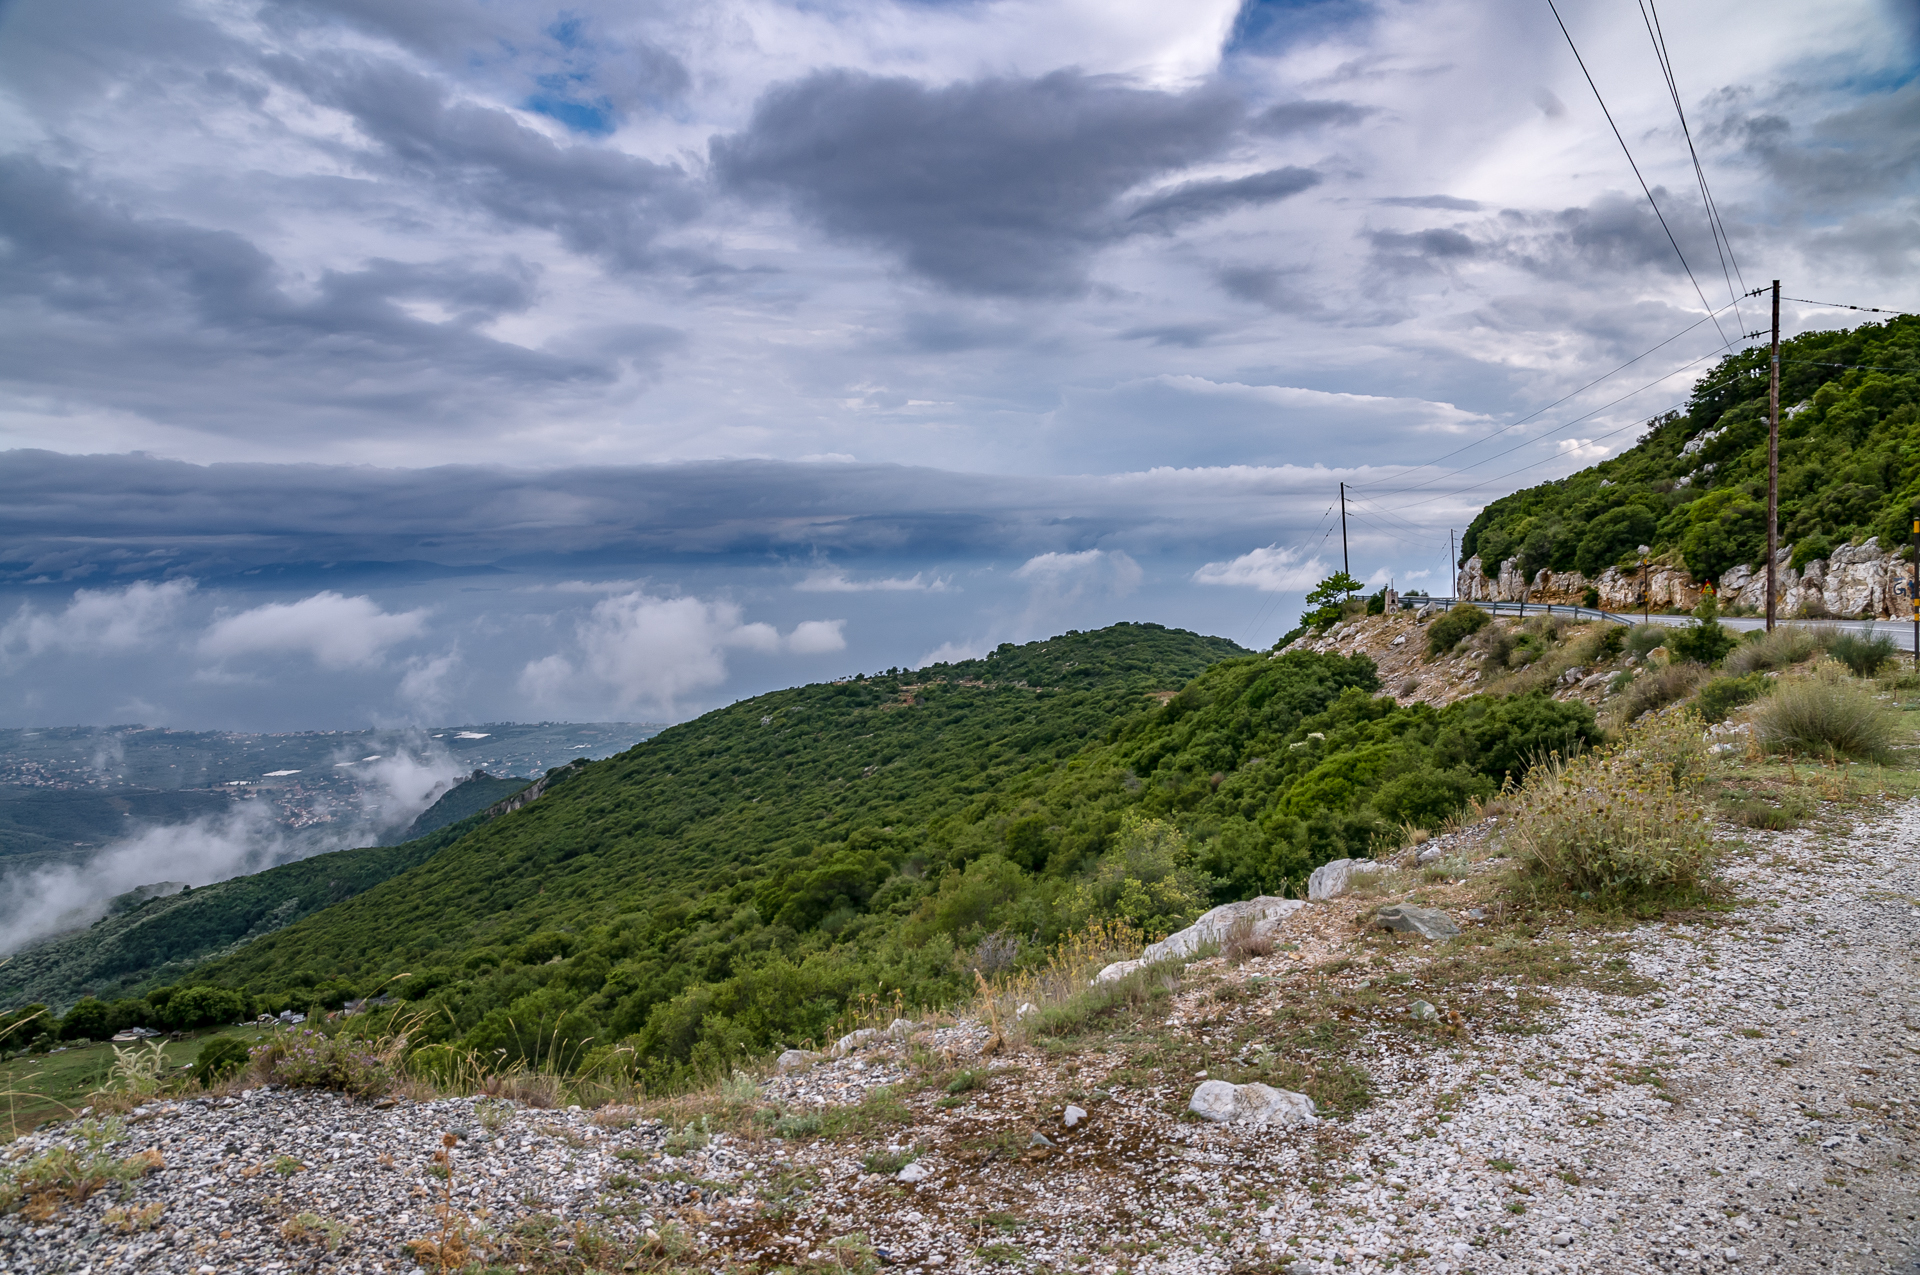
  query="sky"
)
[{"x": 374, "y": 362}]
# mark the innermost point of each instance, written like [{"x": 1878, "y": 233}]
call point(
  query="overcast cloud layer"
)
[{"x": 509, "y": 360}]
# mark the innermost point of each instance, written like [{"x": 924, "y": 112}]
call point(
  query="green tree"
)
[
  {"x": 87, "y": 1020},
  {"x": 1324, "y": 603}
]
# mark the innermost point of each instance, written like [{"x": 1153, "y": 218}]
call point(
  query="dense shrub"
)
[
  {"x": 191, "y": 1007},
  {"x": 1616, "y": 826},
  {"x": 1864, "y": 652},
  {"x": 1445, "y": 632},
  {"x": 1724, "y": 694},
  {"x": 1654, "y": 688},
  {"x": 220, "y": 1057},
  {"x": 1706, "y": 641},
  {"x": 1646, "y": 637},
  {"x": 1786, "y": 646},
  {"x": 1826, "y": 715},
  {"x": 312, "y": 1059},
  {"x": 89, "y": 1019}
]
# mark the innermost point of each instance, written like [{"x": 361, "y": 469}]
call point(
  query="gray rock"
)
[
  {"x": 1039, "y": 1140},
  {"x": 1422, "y": 1011},
  {"x": 1429, "y": 854},
  {"x": 1256, "y": 1104},
  {"x": 1264, "y": 914},
  {"x": 1331, "y": 880},
  {"x": 795, "y": 1060},
  {"x": 1075, "y": 1115},
  {"x": 901, "y": 1028},
  {"x": 1119, "y": 969},
  {"x": 852, "y": 1041},
  {"x": 1409, "y": 919},
  {"x": 914, "y": 1172}
]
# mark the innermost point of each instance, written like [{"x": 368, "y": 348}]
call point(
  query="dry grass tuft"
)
[
  {"x": 1654, "y": 688},
  {"x": 1621, "y": 826},
  {"x": 1826, "y": 715}
]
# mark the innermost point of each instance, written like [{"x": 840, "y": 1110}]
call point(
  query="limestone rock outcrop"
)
[{"x": 1860, "y": 581}]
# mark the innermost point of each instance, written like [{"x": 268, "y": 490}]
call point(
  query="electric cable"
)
[
  {"x": 1550, "y": 433},
  {"x": 1841, "y": 305},
  {"x": 1650, "y": 14},
  {"x": 1646, "y": 189}
]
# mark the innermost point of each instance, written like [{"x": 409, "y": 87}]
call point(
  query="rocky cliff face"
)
[{"x": 1858, "y": 581}]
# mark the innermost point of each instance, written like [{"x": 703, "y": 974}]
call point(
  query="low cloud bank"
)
[{"x": 41, "y": 902}]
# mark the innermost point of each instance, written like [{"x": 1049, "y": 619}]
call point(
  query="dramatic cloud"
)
[
  {"x": 411, "y": 334},
  {"x": 96, "y": 620},
  {"x": 337, "y": 631},
  {"x": 1271, "y": 570},
  {"x": 1000, "y": 186},
  {"x": 655, "y": 651},
  {"x": 833, "y": 580}
]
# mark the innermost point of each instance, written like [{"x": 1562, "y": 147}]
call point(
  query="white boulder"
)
[
  {"x": 1263, "y": 914},
  {"x": 1119, "y": 969},
  {"x": 852, "y": 1041},
  {"x": 1331, "y": 880},
  {"x": 1259, "y": 1105}
]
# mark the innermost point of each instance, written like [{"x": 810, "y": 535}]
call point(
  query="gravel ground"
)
[{"x": 1781, "y": 1133}]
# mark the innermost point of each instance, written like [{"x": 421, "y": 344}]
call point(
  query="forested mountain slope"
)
[
  {"x": 1695, "y": 488},
  {"x": 730, "y": 884}
]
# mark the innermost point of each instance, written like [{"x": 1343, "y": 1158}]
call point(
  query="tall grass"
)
[
  {"x": 1863, "y": 651},
  {"x": 1787, "y": 645},
  {"x": 1622, "y": 826},
  {"x": 1654, "y": 688},
  {"x": 1826, "y": 715}
]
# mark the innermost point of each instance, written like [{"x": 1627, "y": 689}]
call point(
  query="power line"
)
[
  {"x": 1648, "y": 190},
  {"x": 1841, "y": 305},
  {"x": 1538, "y": 412},
  {"x": 1550, "y": 433},
  {"x": 1650, "y": 14},
  {"x": 1548, "y": 460}
]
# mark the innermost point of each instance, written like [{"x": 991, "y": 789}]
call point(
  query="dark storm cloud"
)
[
  {"x": 201, "y": 329},
  {"x": 1267, "y": 285},
  {"x": 999, "y": 186},
  {"x": 1447, "y": 202},
  {"x": 599, "y": 201},
  {"x": 1285, "y": 118},
  {"x": 1191, "y": 201},
  {"x": 1866, "y": 152},
  {"x": 98, "y": 519},
  {"x": 1420, "y": 250}
]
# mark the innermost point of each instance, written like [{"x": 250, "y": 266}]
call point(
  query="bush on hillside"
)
[
  {"x": 1706, "y": 641},
  {"x": 1722, "y": 695},
  {"x": 1462, "y": 619},
  {"x": 307, "y": 1058},
  {"x": 192, "y": 1007},
  {"x": 1614, "y": 827},
  {"x": 89, "y": 1019},
  {"x": 1827, "y": 715},
  {"x": 220, "y": 1057},
  {"x": 1863, "y": 652},
  {"x": 1147, "y": 880},
  {"x": 1642, "y": 638},
  {"x": 1654, "y": 688},
  {"x": 1786, "y": 646}
]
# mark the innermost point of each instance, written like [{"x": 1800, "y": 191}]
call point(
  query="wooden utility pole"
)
[
  {"x": 1453, "y": 571},
  {"x": 1773, "y": 457},
  {"x": 1913, "y": 593},
  {"x": 1345, "y": 565}
]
